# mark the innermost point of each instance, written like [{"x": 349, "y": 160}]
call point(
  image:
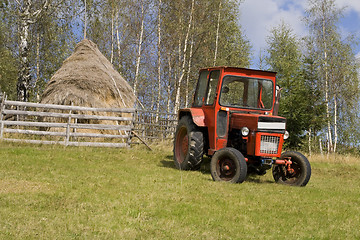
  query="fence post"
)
[
  {"x": 68, "y": 128},
  {"x": 2, "y": 108},
  {"x": 132, "y": 125}
]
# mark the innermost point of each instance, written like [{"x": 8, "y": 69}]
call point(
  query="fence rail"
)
[{"x": 81, "y": 126}]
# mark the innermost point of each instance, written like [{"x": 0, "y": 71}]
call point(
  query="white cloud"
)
[
  {"x": 351, "y": 5},
  {"x": 258, "y": 17}
]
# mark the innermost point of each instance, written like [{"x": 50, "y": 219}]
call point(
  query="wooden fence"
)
[
  {"x": 81, "y": 126},
  {"x": 154, "y": 126}
]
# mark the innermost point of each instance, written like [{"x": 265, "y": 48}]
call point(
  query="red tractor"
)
[{"x": 233, "y": 120}]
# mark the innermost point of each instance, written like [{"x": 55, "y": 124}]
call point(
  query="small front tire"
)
[
  {"x": 229, "y": 165},
  {"x": 300, "y": 170}
]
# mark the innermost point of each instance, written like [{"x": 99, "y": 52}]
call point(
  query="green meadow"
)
[{"x": 56, "y": 192}]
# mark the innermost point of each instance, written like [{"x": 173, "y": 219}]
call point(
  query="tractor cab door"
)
[{"x": 210, "y": 107}]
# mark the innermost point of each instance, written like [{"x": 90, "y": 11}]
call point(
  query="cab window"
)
[
  {"x": 213, "y": 81},
  {"x": 201, "y": 89}
]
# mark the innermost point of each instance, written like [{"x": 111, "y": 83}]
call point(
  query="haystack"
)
[{"x": 88, "y": 79}]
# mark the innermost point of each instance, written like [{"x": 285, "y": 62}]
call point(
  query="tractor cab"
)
[{"x": 233, "y": 120}]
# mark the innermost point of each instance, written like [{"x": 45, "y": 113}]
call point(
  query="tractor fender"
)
[{"x": 196, "y": 114}]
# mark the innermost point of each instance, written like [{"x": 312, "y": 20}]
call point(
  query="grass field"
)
[{"x": 53, "y": 192}]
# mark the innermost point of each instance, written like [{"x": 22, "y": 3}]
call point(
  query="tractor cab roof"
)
[{"x": 240, "y": 70}]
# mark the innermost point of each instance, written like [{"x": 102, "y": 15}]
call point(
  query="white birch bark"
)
[
  {"x": 217, "y": 34},
  {"x": 182, "y": 73},
  {"x": 24, "y": 74},
  {"x": 118, "y": 37},
  {"x": 159, "y": 62},
  {"x": 138, "y": 58},
  {"x": 112, "y": 37},
  {"x": 327, "y": 102},
  {"x": 168, "y": 90},
  {"x": 85, "y": 19},
  {"x": 26, "y": 19},
  {"x": 320, "y": 145}
]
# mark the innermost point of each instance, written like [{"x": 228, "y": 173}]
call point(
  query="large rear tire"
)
[
  {"x": 229, "y": 165},
  {"x": 300, "y": 170},
  {"x": 188, "y": 145}
]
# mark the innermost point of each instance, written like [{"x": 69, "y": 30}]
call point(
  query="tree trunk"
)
[
  {"x": 159, "y": 62},
  {"x": 36, "y": 84},
  {"x": 320, "y": 146},
  {"x": 217, "y": 34},
  {"x": 335, "y": 124},
  {"x": 310, "y": 141},
  {"x": 188, "y": 73},
  {"x": 112, "y": 37},
  {"x": 85, "y": 19},
  {"x": 168, "y": 90},
  {"x": 24, "y": 73},
  {"x": 177, "y": 98},
  {"x": 118, "y": 38},
  {"x": 26, "y": 19},
  {"x": 330, "y": 145},
  {"x": 138, "y": 58}
]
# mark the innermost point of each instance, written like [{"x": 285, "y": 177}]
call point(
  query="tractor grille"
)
[{"x": 269, "y": 144}]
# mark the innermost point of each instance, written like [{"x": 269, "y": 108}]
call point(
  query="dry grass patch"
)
[
  {"x": 334, "y": 158},
  {"x": 22, "y": 186}
]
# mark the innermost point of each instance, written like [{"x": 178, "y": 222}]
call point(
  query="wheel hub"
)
[{"x": 227, "y": 168}]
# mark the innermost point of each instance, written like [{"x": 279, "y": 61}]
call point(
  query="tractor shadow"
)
[
  {"x": 255, "y": 178},
  {"x": 168, "y": 162}
]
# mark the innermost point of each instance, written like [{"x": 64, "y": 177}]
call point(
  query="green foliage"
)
[
  {"x": 336, "y": 70},
  {"x": 53, "y": 192},
  {"x": 8, "y": 66},
  {"x": 299, "y": 101}
]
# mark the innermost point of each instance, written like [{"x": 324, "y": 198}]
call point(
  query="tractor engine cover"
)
[{"x": 266, "y": 133}]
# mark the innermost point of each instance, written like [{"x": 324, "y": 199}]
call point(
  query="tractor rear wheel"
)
[
  {"x": 228, "y": 164},
  {"x": 188, "y": 145},
  {"x": 297, "y": 174}
]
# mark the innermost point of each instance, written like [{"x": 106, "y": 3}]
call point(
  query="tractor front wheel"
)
[
  {"x": 228, "y": 164},
  {"x": 295, "y": 174},
  {"x": 188, "y": 145}
]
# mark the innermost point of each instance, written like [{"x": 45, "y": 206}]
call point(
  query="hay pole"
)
[{"x": 142, "y": 140}]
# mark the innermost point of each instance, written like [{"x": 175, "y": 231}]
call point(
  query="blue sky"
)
[{"x": 258, "y": 17}]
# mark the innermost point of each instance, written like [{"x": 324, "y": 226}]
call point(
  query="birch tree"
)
[
  {"x": 158, "y": 59},
  {"x": 182, "y": 73},
  {"x": 217, "y": 33},
  {"x": 140, "y": 45},
  {"x": 28, "y": 14},
  {"x": 322, "y": 19}
]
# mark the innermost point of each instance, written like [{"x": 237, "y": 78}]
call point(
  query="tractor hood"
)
[{"x": 258, "y": 123}]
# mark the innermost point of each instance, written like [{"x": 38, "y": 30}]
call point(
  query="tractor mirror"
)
[
  {"x": 277, "y": 91},
  {"x": 277, "y": 99}
]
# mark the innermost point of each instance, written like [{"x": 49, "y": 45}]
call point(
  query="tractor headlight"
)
[
  {"x": 245, "y": 131},
  {"x": 286, "y": 135}
]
